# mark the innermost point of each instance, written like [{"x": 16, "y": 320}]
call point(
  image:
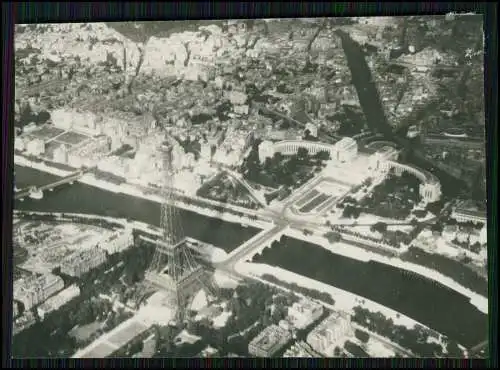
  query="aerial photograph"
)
[{"x": 300, "y": 187}]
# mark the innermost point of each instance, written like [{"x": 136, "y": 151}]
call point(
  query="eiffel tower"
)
[{"x": 174, "y": 270}]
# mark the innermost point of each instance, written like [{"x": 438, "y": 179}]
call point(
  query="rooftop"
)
[
  {"x": 269, "y": 337},
  {"x": 84, "y": 255},
  {"x": 470, "y": 208}
]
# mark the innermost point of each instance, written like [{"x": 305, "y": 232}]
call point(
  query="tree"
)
[
  {"x": 437, "y": 227},
  {"x": 266, "y": 319},
  {"x": 333, "y": 237},
  {"x": 279, "y": 313},
  {"x": 420, "y": 213},
  {"x": 435, "y": 207},
  {"x": 337, "y": 351},
  {"x": 381, "y": 227},
  {"x": 43, "y": 117},
  {"x": 476, "y": 247},
  {"x": 277, "y": 159},
  {"x": 367, "y": 182},
  {"x": 135, "y": 347},
  {"x": 362, "y": 336},
  {"x": 268, "y": 164},
  {"x": 322, "y": 155},
  {"x": 302, "y": 154},
  {"x": 351, "y": 212},
  {"x": 479, "y": 225}
]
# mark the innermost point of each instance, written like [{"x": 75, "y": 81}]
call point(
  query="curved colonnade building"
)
[
  {"x": 385, "y": 159},
  {"x": 347, "y": 149}
]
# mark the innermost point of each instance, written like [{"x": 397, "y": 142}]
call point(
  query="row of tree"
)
[
  {"x": 448, "y": 267},
  {"x": 415, "y": 339}
]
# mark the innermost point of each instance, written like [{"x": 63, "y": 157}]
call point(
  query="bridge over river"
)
[{"x": 32, "y": 190}]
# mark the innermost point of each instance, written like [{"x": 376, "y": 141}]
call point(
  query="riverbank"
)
[
  {"x": 349, "y": 251},
  {"x": 128, "y": 189},
  {"x": 357, "y": 278},
  {"x": 211, "y": 252},
  {"x": 353, "y": 252},
  {"x": 344, "y": 300}
]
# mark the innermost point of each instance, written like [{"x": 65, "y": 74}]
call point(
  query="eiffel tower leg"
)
[{"x": 208, "y": 285}]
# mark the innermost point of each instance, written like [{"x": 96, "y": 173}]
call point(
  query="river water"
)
[
  {"x": 81, "y": 198},
  {"x": 369, "y": 99},
  {"x": 426, "y": 301}
]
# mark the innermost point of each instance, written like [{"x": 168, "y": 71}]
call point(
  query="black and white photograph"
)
[{"x": 286, "y": 187}]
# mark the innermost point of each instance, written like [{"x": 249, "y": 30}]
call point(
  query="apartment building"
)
[
  {"x": 57, "y": 301},
  {"x": 86, "y": 123},
  {"x": 81, "y": 262},
  {"x": 269, "y": 341},
  {"x": 35, "y": 147},
  {"x": 34, "y": 290},
  {"x": 60, "y": 154},
  {"x": 467, "y": 212},
  {"x": 118, "y": 241},
  {"x": 329, "y": 333},
  {"x": 304, "y": 313}
]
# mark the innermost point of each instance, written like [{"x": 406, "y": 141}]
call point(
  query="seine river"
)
[
  {"x": 81, "y": 198},
  {"x": 426, "y": 301}
]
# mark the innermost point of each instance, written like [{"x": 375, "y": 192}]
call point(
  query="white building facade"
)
[
  {"x": 329, "y": 333},
  {"x": 269, "y": 341},
  {"x": 35, "y": 290},
  {"x": 118, "y": 241},
  {"x": 58, "y": 300},
  {"x": 304, "y": 313},
  {"x": 19, "y": 143},
  {"x": 461, "y": 214},
  {"x": 430, "y": 187},
  {"x": 266, "y": 150},
  {"x": 60, "y": 154},
  {"x": 237, "y": 97},
  {"x": 35, "y": 147},
  {"x": 81, "y": 262},
  {"x": 344, "y": 150},
  {"x": 430, "y": 191}
]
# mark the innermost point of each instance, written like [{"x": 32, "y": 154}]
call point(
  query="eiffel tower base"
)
[{"x": 180, "y": 294}]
